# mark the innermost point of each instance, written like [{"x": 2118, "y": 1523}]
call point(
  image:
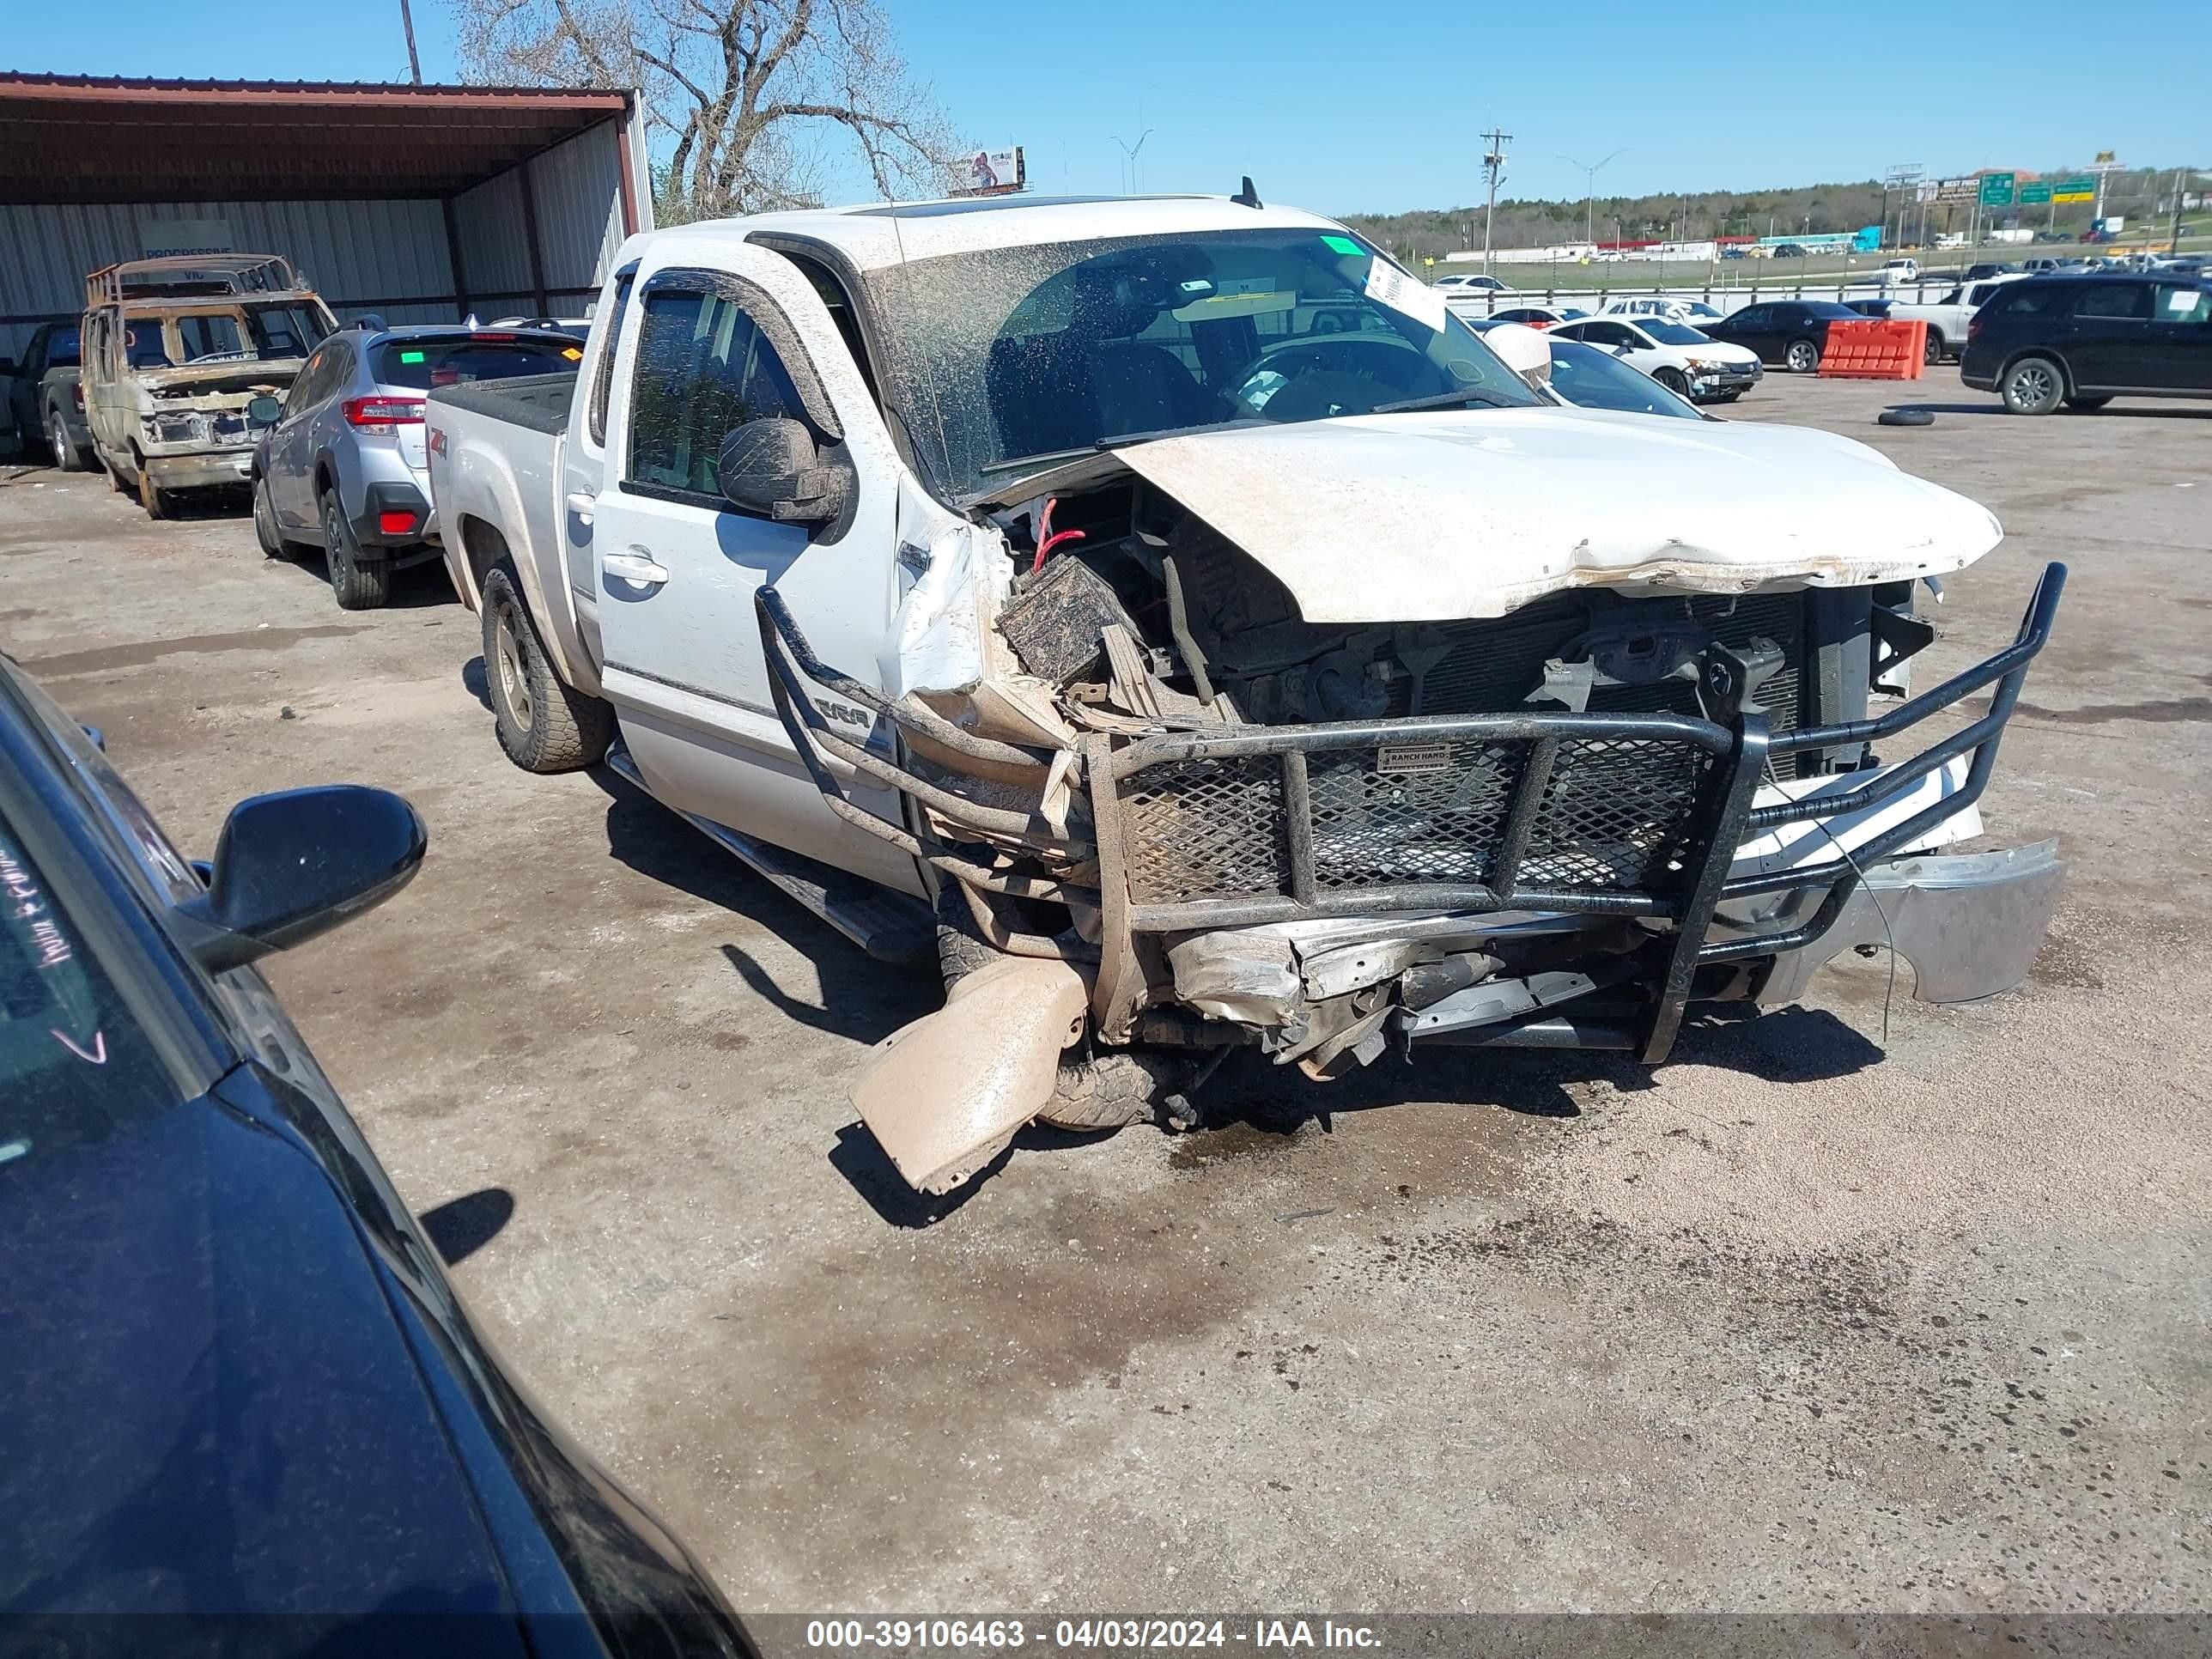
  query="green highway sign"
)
[
  {"x": 1996, "y": 189},
  {"x": 2035, "y": 195},
  {"x": 2075, "y": 187}
]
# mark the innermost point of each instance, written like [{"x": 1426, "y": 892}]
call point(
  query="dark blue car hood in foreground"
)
[{"x": 207, "y": 1405}]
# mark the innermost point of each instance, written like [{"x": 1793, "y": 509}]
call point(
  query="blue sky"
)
[{"x": 1345, "y": 108}]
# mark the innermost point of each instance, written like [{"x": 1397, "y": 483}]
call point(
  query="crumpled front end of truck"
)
[{"x": 1170, "y": 817}]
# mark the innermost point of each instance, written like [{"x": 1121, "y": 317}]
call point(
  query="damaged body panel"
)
[
  {"x": 174, "y": 349},
  {"x": 1474, "y": 513},
  {"x": 1229, "y": 651}
]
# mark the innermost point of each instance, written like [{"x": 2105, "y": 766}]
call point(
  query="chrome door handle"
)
[
  {"x": 635, "y": 564},
  {"x": 583, "y": 503}
]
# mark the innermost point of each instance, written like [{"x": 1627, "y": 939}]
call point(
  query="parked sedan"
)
[
  {"x": 1791, "y": 332},
  {"x": 1538, "y": 316},
  {"x": 1696, "y": 312},
  {"x": 236, "y": 1384},
  {"x": 1686, "y": 362},
  {"x": 342, "y": 465},
  {"x": 1591, "y": 379}
]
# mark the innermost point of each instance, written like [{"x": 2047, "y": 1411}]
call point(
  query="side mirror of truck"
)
[
  {"x": 263, "y": 411},
  {"x": 771, "y": 467}
]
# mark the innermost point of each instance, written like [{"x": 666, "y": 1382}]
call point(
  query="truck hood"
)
[{"x": 1464, "y": 513}]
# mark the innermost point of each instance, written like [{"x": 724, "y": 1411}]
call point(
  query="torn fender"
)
[{"x": 944, "y": 1095}]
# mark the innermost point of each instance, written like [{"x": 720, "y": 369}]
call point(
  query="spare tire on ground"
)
[{"x": 1907, "y": 417}]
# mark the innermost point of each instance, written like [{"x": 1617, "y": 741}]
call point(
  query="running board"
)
[{"x": 890, "y": 927}]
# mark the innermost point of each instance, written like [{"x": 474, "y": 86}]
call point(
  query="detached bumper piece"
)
[{"x": 1636, "y": 816}]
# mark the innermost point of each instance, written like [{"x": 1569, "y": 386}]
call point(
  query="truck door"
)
[
  {"x": 675, "y": 567},
  {"x": 584, "y": 465}
]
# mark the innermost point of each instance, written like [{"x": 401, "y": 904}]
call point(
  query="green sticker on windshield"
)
[
  {"x": 411, "y": 356},
  {"x": 1343, "y": 245}
]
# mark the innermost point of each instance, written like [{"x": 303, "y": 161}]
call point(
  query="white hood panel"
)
[{"x": 1460, "y": 514}]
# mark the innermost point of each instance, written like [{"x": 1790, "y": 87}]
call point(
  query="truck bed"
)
[{"x": 539, "y": 402}]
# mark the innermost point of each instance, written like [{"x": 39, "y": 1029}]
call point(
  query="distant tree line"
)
[{"x": 1696, "y": 215}]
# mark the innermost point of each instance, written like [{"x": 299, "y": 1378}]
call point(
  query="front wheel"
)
[
  {"x": 1672, "y": 379},
  {"x": 2086, "y": 405},
  {"x": 359, "y": 583},
  {"x": 266, "y": 530},
  {"x": 543, "y": 725},
  {"x": 1802, "y": 358},
  {"x": 1932, "y": 354},
  {"x": 152, "y": 496},
  {"x": 57, "y": 440},
  {"x": 2032, "y": 386}
]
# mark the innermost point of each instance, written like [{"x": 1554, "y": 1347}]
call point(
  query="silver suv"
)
[{"x": 341, "y": 463}]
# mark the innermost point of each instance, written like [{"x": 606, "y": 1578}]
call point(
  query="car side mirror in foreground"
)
[
  {"x": 297, "y": 863},
  {"x": 771, "y": 466},
  {"x": 263, "y": 411}
]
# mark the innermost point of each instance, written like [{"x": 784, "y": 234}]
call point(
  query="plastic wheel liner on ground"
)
[{"x": 1632, "y": 815}]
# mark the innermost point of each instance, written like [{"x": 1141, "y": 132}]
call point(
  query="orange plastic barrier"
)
[{"x": 1875, "y": 350}]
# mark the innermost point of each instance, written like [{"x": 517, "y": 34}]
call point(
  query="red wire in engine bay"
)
[{"x": 1046, "y": 540}]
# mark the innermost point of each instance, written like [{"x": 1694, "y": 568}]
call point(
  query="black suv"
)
[{"x": 2083, "y": 340}]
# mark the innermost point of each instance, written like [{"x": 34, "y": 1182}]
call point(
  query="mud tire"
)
[
  {"x": 1109, "y": 1090},
  {"x": 545, "y": 726},
  {"x": 960, "y": 947}
]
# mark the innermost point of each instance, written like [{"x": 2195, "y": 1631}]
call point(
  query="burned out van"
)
[{"x": 173, "y": 350}]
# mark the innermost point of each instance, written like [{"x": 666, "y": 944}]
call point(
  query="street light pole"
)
[
  {"x": 1129, "y": 159},
  {"x": 1590, "y": 193}
]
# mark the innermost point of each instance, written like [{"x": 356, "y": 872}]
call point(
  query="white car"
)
[
  {"x": 1452, "y": 286},
  {"x": 1685, "y": 361},
  {"x": 1696, "y": 312}
]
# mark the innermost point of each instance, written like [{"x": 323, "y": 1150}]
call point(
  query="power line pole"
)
[
  {"x": 1494, "y": 163},
  {"x": 407, "y": 22}
]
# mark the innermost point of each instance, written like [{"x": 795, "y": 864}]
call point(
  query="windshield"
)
[
  {"x": 290, "y": 329},
  {"x": 421, "y": 363},
  {"x": 212, "y": 336},
  {"x": 1668, "y": 333},
  {"x": 74, "y": 1069},
  {"x": 1597, "y": 380},
  {"x": 1008, "y": 359}
]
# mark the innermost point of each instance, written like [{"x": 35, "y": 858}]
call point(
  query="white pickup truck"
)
[
  {"x": 1168, "y": 608},
  {"x": 1949, "y": 317}
]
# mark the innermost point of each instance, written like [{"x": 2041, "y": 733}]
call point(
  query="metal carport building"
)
[{"x": 420, "y": 202}]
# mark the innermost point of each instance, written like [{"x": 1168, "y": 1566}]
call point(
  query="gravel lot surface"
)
[{"x": 1808, "y": 1319}]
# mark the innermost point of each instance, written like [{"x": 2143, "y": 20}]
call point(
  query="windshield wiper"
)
[
  {"x": 1465, "y": 394},
  {"x": 1120, "y": 438}
]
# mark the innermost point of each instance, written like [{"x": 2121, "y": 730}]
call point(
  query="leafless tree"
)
[{"x": 757, "y": 94}]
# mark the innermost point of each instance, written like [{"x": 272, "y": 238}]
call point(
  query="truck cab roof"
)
[{"x": 875, "y": 236}]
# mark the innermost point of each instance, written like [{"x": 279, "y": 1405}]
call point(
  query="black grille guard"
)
[{"x": 1632, "y": 814}]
